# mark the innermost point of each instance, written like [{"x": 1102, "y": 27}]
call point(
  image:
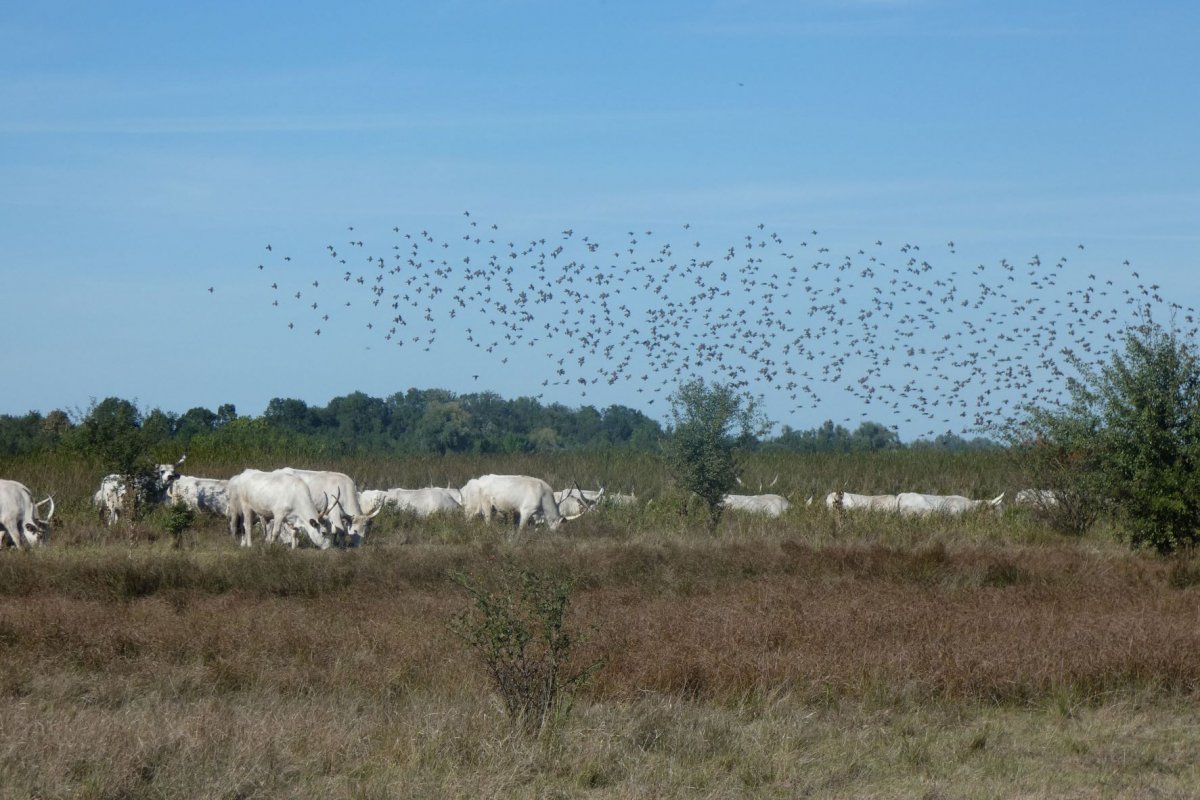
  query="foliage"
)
[
  {"x": 518, "y": 631},
  {"x": 180, "y": 518},
  {"x": 1060, "y": 454},
  {"x": 710, "y": 425},
  {"x": 111, "y": 433},
  {"x": 1130, "y": 435},
  {"x": 831, "y": 438},
  {"x": 32, "y": 433},
  {"x": 416, "y": 421}
]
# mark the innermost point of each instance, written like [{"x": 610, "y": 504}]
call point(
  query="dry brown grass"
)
[{"x": 759, "y": 662}]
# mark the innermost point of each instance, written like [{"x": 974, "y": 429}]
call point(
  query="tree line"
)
[{"x": 418, "y": 421}]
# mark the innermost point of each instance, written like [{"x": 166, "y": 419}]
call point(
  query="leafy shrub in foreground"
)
[{"x": 518, "y": 631}]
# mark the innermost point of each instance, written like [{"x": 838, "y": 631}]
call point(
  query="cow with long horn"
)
[
  {"x": 348, "y": 523},
  {"x": 281, "y": 501},
  {"x": 575, "y": 502},
  {"x": 19, "y": 521}
]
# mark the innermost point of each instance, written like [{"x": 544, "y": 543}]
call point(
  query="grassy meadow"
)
[{"x": 812, "y": 655}]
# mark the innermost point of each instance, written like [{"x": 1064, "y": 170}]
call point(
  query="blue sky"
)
[{"x": 149, "y": 151}]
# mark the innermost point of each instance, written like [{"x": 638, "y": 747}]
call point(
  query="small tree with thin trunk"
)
[{"x": 709, "y": 425}]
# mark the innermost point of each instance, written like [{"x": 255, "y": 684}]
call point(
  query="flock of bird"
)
[{"x": 911, "y": 340}]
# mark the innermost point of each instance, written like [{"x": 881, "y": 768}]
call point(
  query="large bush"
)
[{"x": 1130, "y": 437}]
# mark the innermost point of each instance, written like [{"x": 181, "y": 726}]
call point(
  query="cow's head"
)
[
  {"x": 372, "y": 501},
  {"x": 38, "y": 531},
  {"x": 575, "y": 503},
  {"x": 348, "y": 529},
  {"x": 33, "y": 531},
  {"x": 313, "y": 528},
  {"x": 166, "y": 474}
]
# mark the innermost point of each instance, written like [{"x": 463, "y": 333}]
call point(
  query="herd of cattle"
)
[{"x": 327, "y": 507}]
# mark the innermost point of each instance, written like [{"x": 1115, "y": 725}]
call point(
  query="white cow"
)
[
  {"x": 372, "y": 499},
  {"x": 511, "y": 494},
  {"x": 1037, "y": 498},
  {"x": 282, "y": 501},
  {"x": 347, "y": 521},
  {"x": 575, "y": 502},
  {"x": 849, "y": 501},
  {"x": 200, "y": 494},
  {"x": 422, "y": 502},
  {"x": 18, "y": 515},
  {"x": 109, "y": 499},
  {"x": 772, "y": 505},
  {"x": 925, "y": 504}
]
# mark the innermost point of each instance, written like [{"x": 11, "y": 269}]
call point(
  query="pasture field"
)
[{"x": 811, "y": 655}]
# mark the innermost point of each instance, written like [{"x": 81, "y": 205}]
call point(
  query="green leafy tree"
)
[
  {"x": 194, "y": 421},
  {"x": 445, "y": 427},
  {"x": 710, "y": 423},
  {"x": 872, "y": 436},
  {"x": 111, "y": 433},
  {"x": 291, "y": 414},
  {"x": 226, "y": 413},
  {"x": 1131, "y": 435}
]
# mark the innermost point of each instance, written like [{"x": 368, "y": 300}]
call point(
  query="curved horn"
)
[
  {"x": 738, "y": 478},
  {"x": 772, "y": 483},
  {"x": 49, "y": 500},
  {"x": 583, "y": 497},
  {"x": 182, "y": 459}
]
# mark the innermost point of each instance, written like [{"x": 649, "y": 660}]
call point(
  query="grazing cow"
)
[
  {"x": 772, "y": 505},
  {"x": 575, "y": 502},
  {"x": 372, "y": 499},
  {"x": 620, "y": 499},
  {"x": 348, "y": 524},
  {"x": 511, "y": 494},
  {"x": 18, "y": 515},
  {"x": 200, "y": 494},
  {"x": 848, "y": 501},
  {"x": 282, "y": 501},
  {"x": 1037, "y": 498},
  {"x": 925, "y": 504},
  {"x": 110, "y": 498},
  {"x": 421, "y": 502}
]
